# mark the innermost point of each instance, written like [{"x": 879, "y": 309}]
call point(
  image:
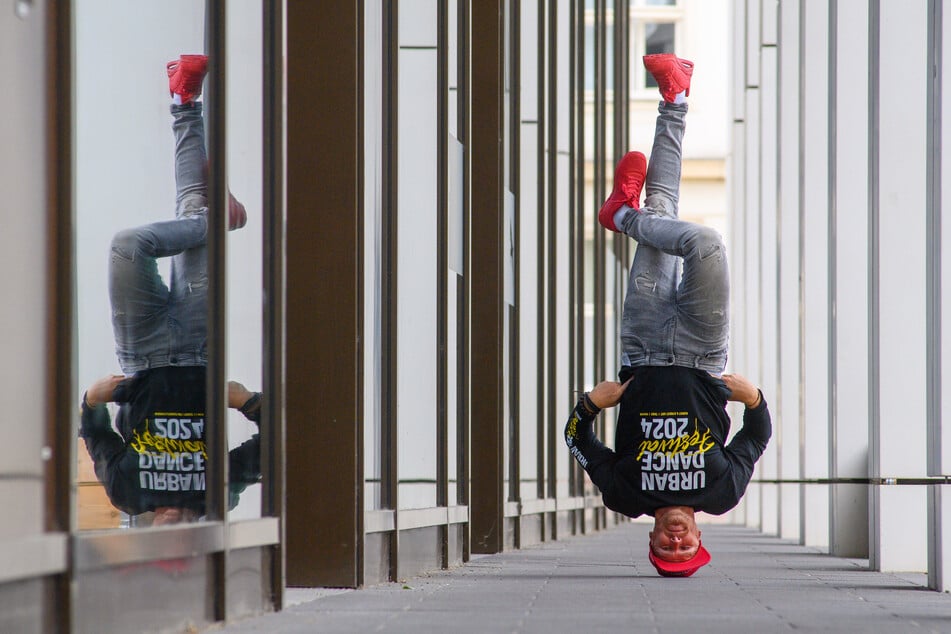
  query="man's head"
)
[
  {"x": 675, "y": 547},
  {"x": 166, "y": 515}
]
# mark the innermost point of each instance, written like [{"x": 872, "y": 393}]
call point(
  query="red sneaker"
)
[
  {"x": 237, "y": 216},
  {"x": 671, "y": 73},
  {"x": 628, "y": 181},
  {"x": 185, "y": 75}
]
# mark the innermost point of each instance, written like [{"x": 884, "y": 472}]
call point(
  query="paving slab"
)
[{"x": 604, "y": 583}]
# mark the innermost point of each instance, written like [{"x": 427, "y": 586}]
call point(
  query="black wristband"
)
[
  {"x": 588, "y": 405},
  {"x": 85, "y": 404},
  {"x": 761, "y": 400},
  {"x": 252, "y": 408}
]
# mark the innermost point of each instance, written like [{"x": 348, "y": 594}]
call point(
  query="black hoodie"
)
[{"x": 158, "y": 457}]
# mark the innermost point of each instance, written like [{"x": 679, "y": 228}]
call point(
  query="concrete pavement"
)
[{"x": 604, "y": 583}]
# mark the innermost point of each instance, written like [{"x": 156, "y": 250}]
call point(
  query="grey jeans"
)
[
  {"x": 677, "y": 308},
  {"x": 157, "y": 325}
]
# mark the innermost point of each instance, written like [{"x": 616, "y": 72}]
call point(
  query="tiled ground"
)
[{"x": 604, "y": 583}]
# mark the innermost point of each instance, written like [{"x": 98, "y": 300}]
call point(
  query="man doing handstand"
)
[{"x": 671, "y": 456}]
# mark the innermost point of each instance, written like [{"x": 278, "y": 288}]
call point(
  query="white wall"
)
[
  {"x": 853, "y": 301},
  {"x": 23, "y": 257}
]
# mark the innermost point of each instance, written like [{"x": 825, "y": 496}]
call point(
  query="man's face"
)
[
  {"x": 165, "y": 515},
  {"x": 675, "y": 536}
]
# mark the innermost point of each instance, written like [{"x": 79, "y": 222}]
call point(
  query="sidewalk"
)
[{"x": 604, "y": 583}]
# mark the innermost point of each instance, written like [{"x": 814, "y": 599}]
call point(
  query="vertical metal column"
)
[
  {"x": 464, "y": 129},
  {"x": 514, "y": 60},
  {"x": 622, "y": 73},
  {"x": 545, "y": 455},
  {"x": 832, "y": 262},
  {"x": 389, "y": 291},
  {"x": 486, "y": 281},
  {"x": 576, "y": 234},
  {"x": 216, "y": 404},
  {"x": 549, "y": 106},
  {"x": 515, "y": 69},
  {"x": 598, "y": 190},
  {"x": 937, "y": 549},
  {"x": 61, "y": 294},
  {"x": 324, "y": 319},
  {"x": 874, "y": 503},
  {"x": 272, "y": 431},
  {"x": 598, "y": 193}
]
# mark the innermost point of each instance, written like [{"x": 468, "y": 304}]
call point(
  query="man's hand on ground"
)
[
  {"x": 742, "y": 389},
  {"x": 607, "y": 393},
  {"x": 101, "y": 390}
]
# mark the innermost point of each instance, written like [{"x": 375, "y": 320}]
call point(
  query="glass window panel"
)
[
  {"x": 453, "y": 361},
  {"x": 416, "y": 278},
  {"x": 530, "y": 319},
  {"x": 244, "y": 266},
  {"x": 126, "y": 178},
  {"x": 589, "y": 77},
  {"x": 509, "y": 425},
  {"x": 609, "y": 52},
  {"x": 454, "y": 312},
  {"x": 373, "y": 248},
  {"x": 564, "y": 376},
  {"x": 141, "y": 208}
]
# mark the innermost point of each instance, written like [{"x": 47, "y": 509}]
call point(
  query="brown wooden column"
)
[
  {"x": 60, "y": 512},
  {"x": 486, "y": 279},
  {"x": 324, "y": 529}
]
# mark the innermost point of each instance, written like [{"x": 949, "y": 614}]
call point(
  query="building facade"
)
[
  {"x": 421, "y": 292},
  {"x": 839, "y": 228}
]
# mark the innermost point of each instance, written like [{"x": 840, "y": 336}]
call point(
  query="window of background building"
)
[{"x": 655, "y": 28}]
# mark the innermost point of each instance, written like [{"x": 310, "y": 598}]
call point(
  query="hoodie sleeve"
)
[
  {"x": 750, "y": 442},
  {"x": 102, "y": 441}
]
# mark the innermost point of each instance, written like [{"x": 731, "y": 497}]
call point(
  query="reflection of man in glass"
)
[
  {"x": 671, "y": 457},
  {"x": 156, "y": 461}
]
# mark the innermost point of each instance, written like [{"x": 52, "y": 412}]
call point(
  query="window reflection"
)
[
  {"x": 142, "y": 270},
  {"x": 244, "y": 273}
]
